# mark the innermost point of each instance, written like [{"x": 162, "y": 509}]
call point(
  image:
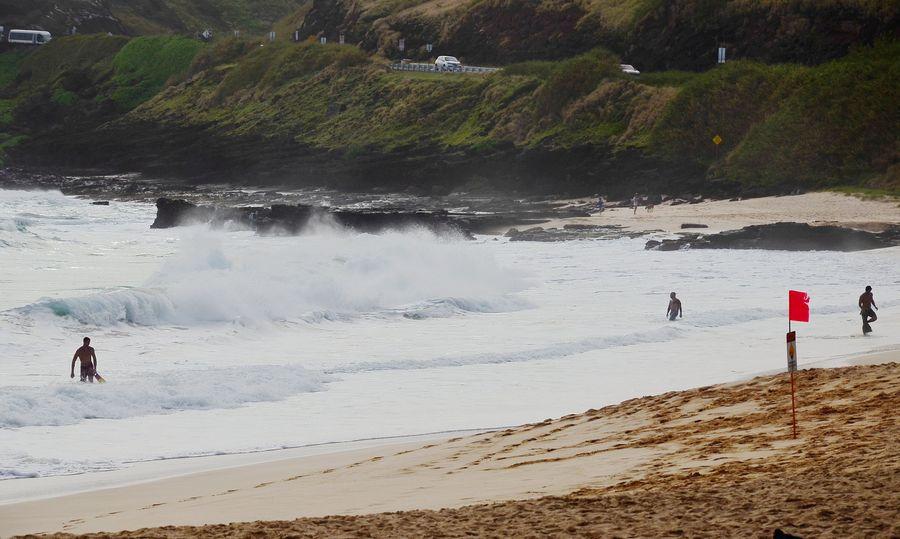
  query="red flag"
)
[{"x": 798, "y": 306}]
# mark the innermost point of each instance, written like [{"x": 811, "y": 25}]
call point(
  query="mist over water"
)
[{"x": 224, "y": 341}]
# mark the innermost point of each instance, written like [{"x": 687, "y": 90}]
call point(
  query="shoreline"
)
[
  {"x": 406, "y": 475},
  {"x": 29, "y": 489},
  {"x": 815, "y": 208}
]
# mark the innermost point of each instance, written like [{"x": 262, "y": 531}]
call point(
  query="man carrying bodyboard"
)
[{"x": 88, "y": 363}]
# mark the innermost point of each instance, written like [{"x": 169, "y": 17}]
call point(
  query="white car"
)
[
  {"x": 447, "y": 63},
  {"x": 629, "y": 69}
]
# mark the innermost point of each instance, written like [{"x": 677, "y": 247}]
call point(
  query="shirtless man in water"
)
[
  {"x": 674, "y": 309},
  {"x": 866, "y": 304},
  {"x": 88, "y": 362}
]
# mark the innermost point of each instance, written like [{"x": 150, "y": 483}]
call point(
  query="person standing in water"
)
[
  {"x": 88, "y": 362},
  {"x": 674, "y": 309},
  {"x": 866, "y": 304}
]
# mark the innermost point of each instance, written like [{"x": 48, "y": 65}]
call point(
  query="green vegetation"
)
[
  {"x": 148, "y": 17},
  {"x": 675, "y": 79},
  {"x": 574, "y": 78},
  {"x": 64, "y": 97},
  {"x": 726, "y": 101},
  {"x": 8, "y": 141},
  {"x": 782, "y": 125},
  {"x": 9, "y": 67},
  {"x": 145, "y": 64},
  {"x": 837, "y": 126}
]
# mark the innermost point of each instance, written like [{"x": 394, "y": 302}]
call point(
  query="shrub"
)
[
  {"x": 574, "y": 78},
  {"x": 538, "y": 69}
]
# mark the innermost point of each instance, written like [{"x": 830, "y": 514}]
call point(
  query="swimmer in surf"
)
[
  {"x": 674, "y": 309},
  {"x": 88, "y": 362},
  {"x": 866, "y": 304}
]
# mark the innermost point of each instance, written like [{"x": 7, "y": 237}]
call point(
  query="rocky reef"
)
[
  {"x": 292, "y": 219},
  {"x": 785, "y": 236}
]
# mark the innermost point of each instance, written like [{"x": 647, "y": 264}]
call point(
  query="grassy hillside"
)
[
  {"x": 652, "y": 34},
  {"x": 76, "y": 83},
  {"x": 320, "y": 110},
  {"x": 144, "y": 17}
]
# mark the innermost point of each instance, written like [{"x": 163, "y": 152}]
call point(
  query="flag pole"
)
[
  {"x": 793, "y": 408},
  {"x": 793, "y": 390}
]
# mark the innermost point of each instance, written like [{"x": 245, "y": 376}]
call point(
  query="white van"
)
[{"x": 29, "y": 37}]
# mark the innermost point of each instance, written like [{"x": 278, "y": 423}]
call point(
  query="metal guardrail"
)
[{"x": 431, "y": 68}]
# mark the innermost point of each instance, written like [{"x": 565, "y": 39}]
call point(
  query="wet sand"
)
[{"x": 713, "y": 461}]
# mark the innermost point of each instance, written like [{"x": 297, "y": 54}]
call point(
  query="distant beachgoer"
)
[
  {"x": 88, "y": 362},
  {"x": 634, "y": 203},
  {"x": 600, "y": 205},
  {"x": 866, "y": 304},
  {"x": 674, "y": 309}
]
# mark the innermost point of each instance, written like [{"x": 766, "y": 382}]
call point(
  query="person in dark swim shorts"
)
[
  {"x": 866, "y": 304},
  {"x": 674, "y": 309},
  {"x": 88, "y": 362}
]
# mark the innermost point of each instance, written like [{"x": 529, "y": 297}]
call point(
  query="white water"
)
[{"x": 223, "y": 341}]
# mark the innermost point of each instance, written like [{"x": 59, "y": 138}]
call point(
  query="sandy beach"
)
[
  {"x": 712, "y": 461},
  {"x": 821, "y": 208}
]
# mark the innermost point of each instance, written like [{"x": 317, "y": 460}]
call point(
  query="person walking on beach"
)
[
  {"x": 88, "y": 362},
  {"x": 634, "y": 203},
  {"x": 674, "y": 309},
  {"x": 866, "y": 304}
]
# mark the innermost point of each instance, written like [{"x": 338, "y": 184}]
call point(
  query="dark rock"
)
[
  {"x": 693, "y": 225},
  {"x": 171, "y": 213},
  {"x": 787, "y": 237},
  {"x": 100, "y": 203},
  {"x": 293, "y": 219}
]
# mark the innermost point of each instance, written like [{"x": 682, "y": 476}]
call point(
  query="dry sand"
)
[
  {"x": 714, "y": 461},
  {"x": 813, "y": 208}
]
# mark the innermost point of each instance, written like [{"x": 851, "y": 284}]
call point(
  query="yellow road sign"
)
[{"x": 717, "y": 140}]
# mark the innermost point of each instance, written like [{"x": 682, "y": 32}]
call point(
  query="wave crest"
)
[{"x": 323, "y": 276}]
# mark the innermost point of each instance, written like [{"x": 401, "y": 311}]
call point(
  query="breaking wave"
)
[
  {"x": 154, "y": 393},
  {"x": 325, "y": 276}
]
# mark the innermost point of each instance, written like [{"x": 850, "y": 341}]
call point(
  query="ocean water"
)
[{"x": 222, "y": 341}]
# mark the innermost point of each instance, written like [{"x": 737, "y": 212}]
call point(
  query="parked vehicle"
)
[
  {"x": 447, "y": 63},
  {"x": 629, "y": 69},
  {"x": 29, "y": 37}
]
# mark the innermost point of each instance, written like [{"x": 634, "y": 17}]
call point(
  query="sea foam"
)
[
  {"x": 154, "y": 393},
  {"x": 328, "y": 275}
]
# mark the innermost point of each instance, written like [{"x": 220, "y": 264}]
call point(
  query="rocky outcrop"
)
[
  {"x": 170, "y": 213},
  {"x": 571, "y": 232},
  {"x": 785, "y": 237},
  {"x": 293, "y": 219}
]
